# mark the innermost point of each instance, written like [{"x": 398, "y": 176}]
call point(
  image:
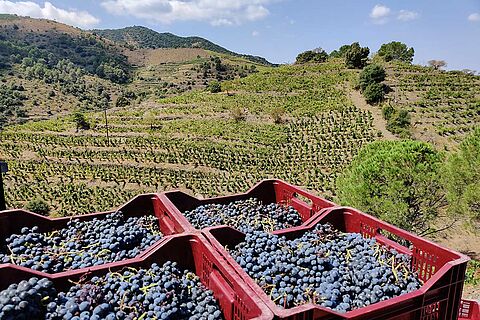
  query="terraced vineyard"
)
[
  {"x": 193, "y": 143},
  {"x": 446, "y": 104}
]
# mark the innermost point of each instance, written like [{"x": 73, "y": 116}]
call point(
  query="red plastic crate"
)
[
  {"x": 174, "y": 203},
  {"x": 190, "y": 251},
  {"x": 442, "y": 270},
  {"x": 469, "y": 310},
  {"x": 12, "y": 221}
]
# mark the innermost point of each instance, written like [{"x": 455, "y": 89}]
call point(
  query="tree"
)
[
  {"x": 80, "y": 121},
  {"x": 374, "y": 93},
  {"x": 341, "y": 52},
  {"x": 437, "y": 64},
  {"x": 388, "y": 111},
  {"x": 373, "y": 73},
  {"x": 112, "y": 73},
  {"x": 214, "y": 86},
  {"x": 39, "y": 206},
  {"x": 462, "y": 178},
  {"x": 317, "y": 55},
  {"x": 396, "y": 181},
  {"x": 396, "y": 50},
  {"x": 356, "y": 57}
]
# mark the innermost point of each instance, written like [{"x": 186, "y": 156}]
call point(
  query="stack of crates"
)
[{"x": 203, "y": 251}]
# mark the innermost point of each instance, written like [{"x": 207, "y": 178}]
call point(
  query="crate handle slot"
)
[
  {"x": 393, "y": 241},
  {"x": 306, "y": 200}
]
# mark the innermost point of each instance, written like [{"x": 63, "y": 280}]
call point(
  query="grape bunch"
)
[
  {"x": 341, "y": 271},
  {"x": 160, "y": 292},
  {"x": 82, "y": 244},
  {"x": 245, "y": 215},
  {"x": 26, "y": 300}
]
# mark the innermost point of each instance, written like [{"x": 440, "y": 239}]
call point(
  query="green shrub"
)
[
  {"x": 80, "y": 121},
  {"x": 397, "y": 181},
  {"x": 277, "y": 115},
  {"x": 318, "y": 55},
  {"x": 214, "y": 87},
  {"x": 462, "y": 178},
  {"x": 373, "y": 73},
  {"x": 39, "y": 206},
  {"x": 374, "y": 93},
  {"x": 388, "y": 111}
]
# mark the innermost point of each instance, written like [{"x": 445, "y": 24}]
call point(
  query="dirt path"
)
[{"x": 378, "y": 121}]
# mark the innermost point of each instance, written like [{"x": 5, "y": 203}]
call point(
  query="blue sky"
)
[{"x": 280, "y": 29}]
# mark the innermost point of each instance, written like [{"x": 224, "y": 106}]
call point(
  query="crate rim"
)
[
  {"x": 169, "y": 205},
  {"x": 77, "y": 216}
]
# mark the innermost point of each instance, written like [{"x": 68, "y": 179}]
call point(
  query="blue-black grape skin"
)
[
  {"x": 341, "y": 271},
  {"x": 82, "y": 244},
  {"x": 159, "y": 292},
  {"x": 245, "y": 215},
  {"x": 27, "y": 299}
]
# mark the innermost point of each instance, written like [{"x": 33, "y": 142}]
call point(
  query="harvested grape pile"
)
[
  {"x": 159, "y": 292},
  {"x": 245, "y": 215},
  {"x": 341, "y": 271},
  {"x": 27, "y": 299},
  {"x": 82, "y": 243}
]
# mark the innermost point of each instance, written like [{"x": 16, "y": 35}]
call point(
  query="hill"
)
[
  {"x": 50, "y": 68},
  {"x": 144, "y": 38},
  {"x": 50, "y": 41}
]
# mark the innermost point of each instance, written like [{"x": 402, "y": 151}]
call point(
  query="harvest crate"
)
[
  {"x": 12, "y": 221},
  {"x": 442, "y": 270},
  {"x": 190, "y": 251},
  {"x": 469, "y": 310},
  {"x": 174, "y": 203}
]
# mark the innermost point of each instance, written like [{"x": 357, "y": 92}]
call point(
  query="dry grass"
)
[{"x": 149, "y": 57}]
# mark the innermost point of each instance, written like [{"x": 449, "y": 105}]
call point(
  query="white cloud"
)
[
  {"x": 215, "y": 12},
  {"x": 405, "y": 15},
  {"x": 255, "y": 33},
  {"x": 380, "y": 13},
  {"x": 474, "y": 17},
  {"x": 48, "y": 11}
]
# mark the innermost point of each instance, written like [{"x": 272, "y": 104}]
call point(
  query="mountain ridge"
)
[{"x": 140, "y": 37}]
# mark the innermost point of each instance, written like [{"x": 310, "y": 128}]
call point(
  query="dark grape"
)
[
  {"x": 245, "y": 215},
  {"x": 341, "y": 271},
  {"x": 27, "y": 299},
  {"x": 159, "y": 292},
  {"x": 82, "y": 243}
]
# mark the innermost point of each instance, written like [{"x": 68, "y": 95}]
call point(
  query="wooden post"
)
[
  {"x": 3, "y": 168},
  {"x": 106, "y": 126}
]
